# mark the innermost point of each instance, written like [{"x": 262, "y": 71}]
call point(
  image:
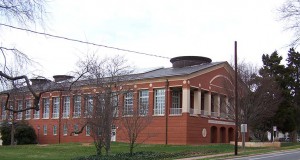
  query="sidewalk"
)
[
  {"x": 216, "y": 156},
  {"x": 208, "y": 156}
]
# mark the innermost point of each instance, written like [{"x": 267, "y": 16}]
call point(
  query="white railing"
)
[
  {"x": 175, "y": 111},
  {"x": 159, "y": 112},
  {"x": 214, "y": 114},
  {"x": 204, "y": 112},
  {"x": 36, "y": 116},
  {"x": 194, "y": 111},
  {"x": 55, "y": 115},
  {"x": 223, "y": 115}
]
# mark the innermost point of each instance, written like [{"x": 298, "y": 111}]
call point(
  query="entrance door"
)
[{"x": 113, "y": 135}]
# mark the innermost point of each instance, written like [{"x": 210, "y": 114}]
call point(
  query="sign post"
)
[
  {"x": 243, "y": 131},
  {"x": 274, "y": 132}
]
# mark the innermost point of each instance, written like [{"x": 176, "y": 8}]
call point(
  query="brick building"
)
[{"x": 188, "y": 102}]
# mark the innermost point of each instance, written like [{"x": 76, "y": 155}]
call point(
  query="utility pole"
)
[{"x": 236, "y": 100}]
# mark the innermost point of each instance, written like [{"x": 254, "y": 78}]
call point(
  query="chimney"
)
[{"x": 39, "y": 80}]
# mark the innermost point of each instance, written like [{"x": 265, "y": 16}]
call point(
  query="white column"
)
[
  {"x": 226, "y": 106},
  {"x": 207, "y": 103},
  {"x": 186, "y": 100},
  {"x": 197, "y": 102},
  {"x": 217, "y": 104}
]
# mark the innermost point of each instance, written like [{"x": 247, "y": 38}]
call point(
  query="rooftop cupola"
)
[
  {"x": 62, "y": 78},
  {"x": 184, "y": 61}
]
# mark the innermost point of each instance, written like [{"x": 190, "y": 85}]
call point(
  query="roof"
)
[
  {"x": 169, "y": 72},
  {"x": 156, "y": 73}
]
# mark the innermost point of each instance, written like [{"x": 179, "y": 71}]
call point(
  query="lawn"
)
[{"x": 71, "y": 150}]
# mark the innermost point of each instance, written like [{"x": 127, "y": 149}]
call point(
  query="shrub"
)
[
  {"x": 5, "y": 130},
  {"x": 135, "y": 156},
  {"x": 24, "y": 133}
]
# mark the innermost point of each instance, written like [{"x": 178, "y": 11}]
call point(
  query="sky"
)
[{"x": 167, "y": 28}]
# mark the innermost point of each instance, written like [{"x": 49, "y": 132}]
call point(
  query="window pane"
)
[
  {"x": 55, "y": 107},
  {"x": 143, "y": 102},
  {"x": 46, "y": 108},
  {"x": 128, "y": 104},
  {"x": 66, "y": 107},
  {"x": 159, "y": 102}
]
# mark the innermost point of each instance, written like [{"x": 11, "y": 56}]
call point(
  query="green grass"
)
[
  {"x": 61, "y": 151},
  {"x": 72, "y": 150}
]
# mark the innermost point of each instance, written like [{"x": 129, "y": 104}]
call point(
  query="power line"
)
[{"x": 85, "y": 42}]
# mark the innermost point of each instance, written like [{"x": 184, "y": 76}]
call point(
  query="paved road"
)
[{"x": 283, "y": 155}]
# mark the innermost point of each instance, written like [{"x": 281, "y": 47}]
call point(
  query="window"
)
[
  {"x": 54, "y": 130},
  {"x": 128, "y": 104},
  {"x": 176, "y": 108},
  {"x": 115, "y": 103},
  {"x": 36, "y": 114},
  {"x": 159, "y": 102},
  {"x": 65, "y": 129},
  {"x": 3, "y": 111},
  {"x": 143, "y": 102},
  {"x": 88, "y": 105},
  {"x": 66, "y": 107},
  {"x": 46, "y": 108},
  {"x": 11, "y": 106},
  {"x": 77, "y": 106},
  {"x": 28, "y": 112},
  {"x": 76, "y": 129},
  {"x": 88, "y": 130},
  {"x": 45, "y": 129},
  {"x": 20, "y": 106},
  {"x": 55, "y": 104}
]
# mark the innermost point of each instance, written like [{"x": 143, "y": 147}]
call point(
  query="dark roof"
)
[
  {"x": 160, "y": 72},
  {"x": 169, "y": 72}
]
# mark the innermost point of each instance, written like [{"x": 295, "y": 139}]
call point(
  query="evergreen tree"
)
[
  {"x": 284, "y": 119},
  {"x": 293, "y": 64}
]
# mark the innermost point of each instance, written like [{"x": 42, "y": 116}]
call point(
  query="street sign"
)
[{"x": 244, "y": 128}]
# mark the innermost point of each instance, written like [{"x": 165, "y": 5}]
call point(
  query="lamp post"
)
[{"x": 38, "y": 128}]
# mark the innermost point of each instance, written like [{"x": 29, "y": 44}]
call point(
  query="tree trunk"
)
[
  {"x": 98, "y": 149},
  {"x": 131, "y": 149},
  {"x": 12, "y": 133}
]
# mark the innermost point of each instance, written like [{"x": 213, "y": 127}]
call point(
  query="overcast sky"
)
[{"x": 167, "y": 28}]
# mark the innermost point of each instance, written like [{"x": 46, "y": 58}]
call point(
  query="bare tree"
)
[
  {"x": 109, "y": 77},
  {"x": 290, "y": 14},
  {"x": 135, "y": 120},
  {"x": 23, "y": 12},
  {"x": 259, "y": 98}
]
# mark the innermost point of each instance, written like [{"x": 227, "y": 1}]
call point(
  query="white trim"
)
[
  {"x": 220, "y": 122},
  {"x": 220, "y": 75}
]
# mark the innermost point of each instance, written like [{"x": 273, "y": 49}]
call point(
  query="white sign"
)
[
  {"x": 243, "y": 128},
  {"x": 274, "y": 128}
]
